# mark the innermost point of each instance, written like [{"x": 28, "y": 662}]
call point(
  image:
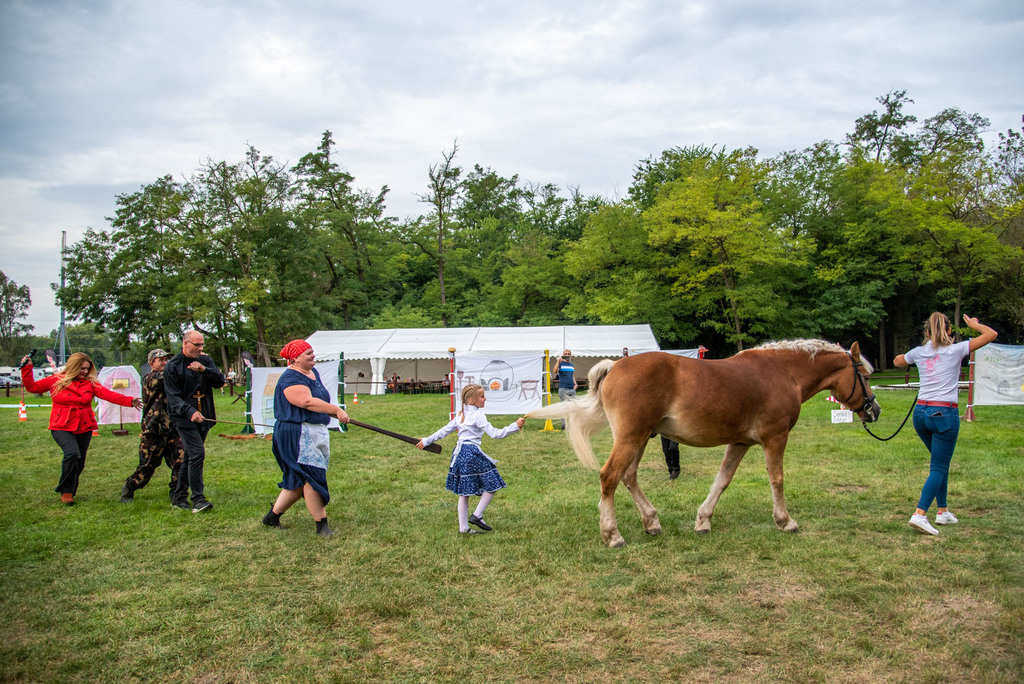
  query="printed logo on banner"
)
[{"x": 512, "y": 383}]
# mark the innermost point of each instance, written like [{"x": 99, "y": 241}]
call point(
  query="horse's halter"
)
[{"x": 870, "y": 409}]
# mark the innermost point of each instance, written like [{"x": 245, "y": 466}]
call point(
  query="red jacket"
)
[{"x": 72, "y": 407}]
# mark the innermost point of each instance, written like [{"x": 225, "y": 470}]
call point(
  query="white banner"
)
[
  {"x": 999, "y": 375},
  {"x": 513, "y": 385},
  {"x": 123, "y": 380},
  {"x": 264, "y": 382}
]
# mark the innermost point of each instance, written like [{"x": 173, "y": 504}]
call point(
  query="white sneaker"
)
[
  {"x": 921, "y": 524},
  {"x": 946, "y": 518}
]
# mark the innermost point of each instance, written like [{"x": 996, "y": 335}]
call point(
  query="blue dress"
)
[
  {"x": 472, "y": 474},
  {"x": 290, "y": 433},
  {"x": 471, "y": 471}
]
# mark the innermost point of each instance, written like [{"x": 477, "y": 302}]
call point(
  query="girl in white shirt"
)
[
  {"x": 937, "y": 415},
  {"x": 472, "y": 472}
]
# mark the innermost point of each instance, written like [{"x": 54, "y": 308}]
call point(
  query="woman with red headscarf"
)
[{"x": 302, "y": 410}]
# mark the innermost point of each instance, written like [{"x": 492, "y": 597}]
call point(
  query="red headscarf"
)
[{"x": 294, "y": 349}]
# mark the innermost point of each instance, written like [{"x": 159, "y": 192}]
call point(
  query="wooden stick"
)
[{"x": 433, "y": 448}]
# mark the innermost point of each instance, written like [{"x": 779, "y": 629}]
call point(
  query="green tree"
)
[
  {"x": 732, "y": 263},
  {"x": 349, "y": 229},
  {"x": 954, "y": 187},
  {"x": 883, "y": 136},
  {"x": 246, "y": 253},
  {"x": 128, "y": 279},
  {"x": 434, "y": 233},
  {"x": 1009, "y": 284},
  {"x": 14, "y": 303},
  {"x": 622, "y": 280}
]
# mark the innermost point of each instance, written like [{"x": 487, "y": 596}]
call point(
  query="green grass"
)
[{"x": 108, "y": 592}]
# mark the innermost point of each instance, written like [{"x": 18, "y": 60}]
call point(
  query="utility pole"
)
[{"x": 62, "y": 334}]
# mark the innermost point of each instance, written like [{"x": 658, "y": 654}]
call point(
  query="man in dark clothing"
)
[
  {"x": 160, "y": 440},
  {"x": 189, "y": 379},
  {"x": 565, "y": 373},
  {"x": 671, "y": 451}
]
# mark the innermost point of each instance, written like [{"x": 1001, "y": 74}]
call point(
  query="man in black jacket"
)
[{"x": 189, "y": 378}]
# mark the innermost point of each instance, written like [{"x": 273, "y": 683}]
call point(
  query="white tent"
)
[{"x": 371, "y": 356}]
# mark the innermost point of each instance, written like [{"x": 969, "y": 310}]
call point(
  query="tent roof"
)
[{"x": 433, "y": 343}]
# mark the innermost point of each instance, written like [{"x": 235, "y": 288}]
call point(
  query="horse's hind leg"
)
[
  {"x": 648, "y": 514},
  {"x": 733, "y": 455},
  {"x": 612, "y": 472}
]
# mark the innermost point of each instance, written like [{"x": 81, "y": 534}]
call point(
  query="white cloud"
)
[{"x": 100, "y": 98}]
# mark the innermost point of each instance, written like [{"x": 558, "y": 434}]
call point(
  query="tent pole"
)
[{"x": 451, "y": 382}]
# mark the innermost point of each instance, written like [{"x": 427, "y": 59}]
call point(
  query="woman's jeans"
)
[
  {"x": 74, "y": 447},
  {"x": 938, "y": 427}
]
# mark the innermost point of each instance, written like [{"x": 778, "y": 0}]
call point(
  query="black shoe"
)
[
  {"x": 202, "y": 507},
  {"x": 673, "y": 474},
  {"x": 473, "y": 520},
  {"x": 322, "y": 529},
  {"x": 183, "y": 505},
  {"x": 272, "y": 519},
  {"x": 127, "y": 495}
]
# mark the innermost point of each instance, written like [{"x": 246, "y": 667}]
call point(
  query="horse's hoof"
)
[
  {"x": 655, "y": 532},
  {"x": 617, "y": 543},
  {"x": 702, "y": 532}
]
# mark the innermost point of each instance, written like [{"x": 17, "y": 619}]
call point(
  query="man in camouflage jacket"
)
[{"x": 160, "y": 440}]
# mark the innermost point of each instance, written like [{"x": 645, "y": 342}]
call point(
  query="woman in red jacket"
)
[{"x": 71, "y": 418}]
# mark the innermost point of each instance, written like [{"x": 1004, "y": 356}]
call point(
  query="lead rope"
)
[{"x": 886, "y": 439}]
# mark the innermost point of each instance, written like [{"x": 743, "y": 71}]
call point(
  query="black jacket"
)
[{"x": 189, "y": 391}]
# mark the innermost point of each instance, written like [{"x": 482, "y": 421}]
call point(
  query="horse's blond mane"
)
[{"x": 811, "y": 348}]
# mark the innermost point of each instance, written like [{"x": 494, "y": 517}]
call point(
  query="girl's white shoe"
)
[{"x": 946, "y": 518}]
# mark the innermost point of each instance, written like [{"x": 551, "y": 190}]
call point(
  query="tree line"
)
[{"x": 851, "y": 240}]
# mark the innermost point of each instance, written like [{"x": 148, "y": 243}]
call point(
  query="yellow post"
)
[{"x": 548, "y": 427}]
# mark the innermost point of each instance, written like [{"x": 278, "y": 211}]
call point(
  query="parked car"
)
[{"x": 9, "y": 381}]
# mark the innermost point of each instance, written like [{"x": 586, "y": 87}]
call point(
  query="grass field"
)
[{"x": 142, "y": 592}]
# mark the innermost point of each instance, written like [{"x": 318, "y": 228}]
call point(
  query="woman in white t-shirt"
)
[{"x": 937, "y": 416}]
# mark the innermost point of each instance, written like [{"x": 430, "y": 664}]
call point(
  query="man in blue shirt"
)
[{"x": 565, "y": 373}]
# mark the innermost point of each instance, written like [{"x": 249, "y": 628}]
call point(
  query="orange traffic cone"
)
[
  {"x": 355, "y": 398},
  {"x": 22, "y": 413}
]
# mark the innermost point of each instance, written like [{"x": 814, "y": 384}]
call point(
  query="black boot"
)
[
  {"x": 272, "y": 519},
  {"x": 322, "y": 530},
  {"x": 127, "y": 494}
]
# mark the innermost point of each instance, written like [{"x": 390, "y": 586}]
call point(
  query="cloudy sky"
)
[{"x": 98, "y": 98}]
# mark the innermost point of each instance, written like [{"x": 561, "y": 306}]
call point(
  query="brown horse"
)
[{"x": 751, "y": 398}]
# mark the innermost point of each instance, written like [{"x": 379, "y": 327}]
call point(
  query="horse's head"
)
[{"x": 860, "y": 394}]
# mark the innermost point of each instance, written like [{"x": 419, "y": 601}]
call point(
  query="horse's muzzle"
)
[{"x": 871, "y": 410}]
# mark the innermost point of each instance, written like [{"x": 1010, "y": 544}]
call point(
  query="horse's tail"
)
[{"x": 583, "y": 416}]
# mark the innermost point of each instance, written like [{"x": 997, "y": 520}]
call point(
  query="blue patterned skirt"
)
[{"x": 472, "y": 474}]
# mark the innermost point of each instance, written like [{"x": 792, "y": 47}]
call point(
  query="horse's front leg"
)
[
  {"x": 733, "y": 455},
  {"x": 648, "y": 514},
  {"x": 614, "y": 469},
  {"x": 774, "y": 450}
]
